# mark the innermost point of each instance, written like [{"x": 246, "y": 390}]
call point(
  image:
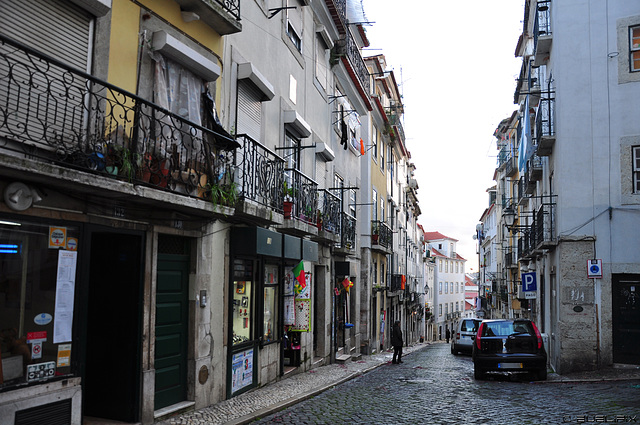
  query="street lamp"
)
[{"x": 509, "y": 217}]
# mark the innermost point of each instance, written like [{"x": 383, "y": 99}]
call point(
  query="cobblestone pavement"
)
[
  {"x": 431, "y": 387},
  {"x": 434, "y": 387}
]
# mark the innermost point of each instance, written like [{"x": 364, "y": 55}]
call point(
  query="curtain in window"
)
[{"x": 179, "y": 91}]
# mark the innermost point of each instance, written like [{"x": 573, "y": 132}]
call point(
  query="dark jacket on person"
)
[{"x": 396, "y": 338}]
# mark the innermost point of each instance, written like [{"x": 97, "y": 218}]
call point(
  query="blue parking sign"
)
[{"x": 529, "y": 282}]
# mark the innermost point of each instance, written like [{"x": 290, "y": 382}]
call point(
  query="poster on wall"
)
[
  {"x": 288, "y": 283},
  {"x": 305, "y": 293},
  {"x": 303, "y": 316},
  {"x": 65, "y": 291},
  {"x": 289, "y": 311},
  {"x": 241, "y": 370}
]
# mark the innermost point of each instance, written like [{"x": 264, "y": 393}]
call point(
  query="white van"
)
[{"x": 462, "y": 338}]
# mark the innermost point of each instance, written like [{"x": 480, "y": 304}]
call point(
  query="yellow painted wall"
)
[{"x": 123, "y": 50}]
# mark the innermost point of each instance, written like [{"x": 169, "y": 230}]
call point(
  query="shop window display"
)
[
  {"x": 270, "y": 331},
  {"x": 38, "y": 265},
  {"x": 242, "y": 307}
]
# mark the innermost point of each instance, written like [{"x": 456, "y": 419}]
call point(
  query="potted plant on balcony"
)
[
  {"x": 375, "y": 233},
  {"x": 287, "y": 205}
]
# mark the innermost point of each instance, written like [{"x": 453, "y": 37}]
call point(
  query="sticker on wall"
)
[
  {"x": 64, "y": 355},
  {"x": 42, "y": 319},
  {"x": 57, "y": 237},
  {"x": 72, "y": 244},
  {"x": 36, "y": 372}
]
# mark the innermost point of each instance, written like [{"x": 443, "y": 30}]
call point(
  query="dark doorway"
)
[
  {"x": 626, "y": 318},
  {"x": 112, "y": 372},
  {"x": 172, "y": 321}
]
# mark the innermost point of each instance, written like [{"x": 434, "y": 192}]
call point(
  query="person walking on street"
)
[
  {"x": 396, "y": 341},
  {"x": 448, "y": 334}
]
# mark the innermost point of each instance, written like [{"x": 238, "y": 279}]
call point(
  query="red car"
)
[{"x": 509, "y": 345}]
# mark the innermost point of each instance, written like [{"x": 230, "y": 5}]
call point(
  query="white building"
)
[
  {"x": 449, "y": 293},
  {"x": 573, "y": 211}
]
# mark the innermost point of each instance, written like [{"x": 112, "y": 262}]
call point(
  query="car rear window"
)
[
  {"x": 469, "y": 326},
  {"x": 507, "y": 328}
]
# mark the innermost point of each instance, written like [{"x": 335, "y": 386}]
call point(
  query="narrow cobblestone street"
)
[{"x": 434, "y": 387}]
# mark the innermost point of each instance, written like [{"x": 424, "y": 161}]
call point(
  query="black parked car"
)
[{"x": 509, "y": 345}]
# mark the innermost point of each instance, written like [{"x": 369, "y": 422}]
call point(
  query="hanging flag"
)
[
  {"x": 361, "y": 147},
  {"x": 525, "y": 139},
  {"x": 336, "y": 291},
  {"x": 298, "y": 274},
  {"x": 347, "y": 284}
]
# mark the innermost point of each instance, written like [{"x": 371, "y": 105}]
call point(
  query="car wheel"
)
[
  {"x": 478, "y": 374},
  {"x": 542, "y": 374},
  {"x": 454, "y": 351}
]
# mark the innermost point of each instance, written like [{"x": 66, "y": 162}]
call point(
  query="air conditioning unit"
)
[{"x": 325, "y": 152}]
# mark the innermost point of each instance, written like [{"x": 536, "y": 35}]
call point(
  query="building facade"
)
[{"x": 569, "y": 209}]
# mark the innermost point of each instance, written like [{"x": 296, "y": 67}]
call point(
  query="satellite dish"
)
[{"x": 18, "y": 196}]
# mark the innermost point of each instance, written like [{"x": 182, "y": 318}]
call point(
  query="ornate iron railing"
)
[
  {"x": 545, "y": 219},
  {"x": 545, "y": 119},
  {"x": 304, "y": 194},
  {"x": 329, "y": 210},
  {"x": 338, "y": 11},
  {"x": 348, "y": 231},
  {"x": 260, "y": 173},
  {"x": 231, "y": 6},
  {"x": 58, "y": 114},
  {"x": 359, "y": 67},
  {"x": 381, "y": 234},
  {"x": 542, "y": 23}
]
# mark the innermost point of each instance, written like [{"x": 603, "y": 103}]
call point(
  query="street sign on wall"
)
[{"x": 529, "y": 285}]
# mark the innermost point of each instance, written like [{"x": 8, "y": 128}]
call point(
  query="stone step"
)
[{"x": 343, "y": 358}]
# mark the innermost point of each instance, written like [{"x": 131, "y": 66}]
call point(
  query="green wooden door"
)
[{"x": 172, "y": 307}]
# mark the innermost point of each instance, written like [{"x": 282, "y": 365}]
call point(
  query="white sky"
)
[{"x": 455, "y": 62}]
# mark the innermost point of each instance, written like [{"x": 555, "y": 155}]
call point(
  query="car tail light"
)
[
  {"x": 457, "y": 335},
  {"x": 480, "y": 329},
  {"x": 535, "y": 328}
]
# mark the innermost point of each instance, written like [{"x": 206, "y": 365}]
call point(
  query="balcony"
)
[
  {"x": 338, "y": 11},
  {"x": 509, "y": 260},
  {"x": 534, "y": 170},
  {"x": 61, "y": 117},
  {"x": 545, "y": 225},
  {"x": 348, "y": 52},
  {"x": 300, "y": 203},
  {"x": 545, "y": 124},
  {"x": 328, "y": 220},
  {"x": 526, "y": 243},
  {"x": 221, "y": 15},
  {"x": 347, "y": 242},
  {"x": 542, "y": 35},
  {"x": 260, "y": 178},
  {"x": 381, "y": 237}
]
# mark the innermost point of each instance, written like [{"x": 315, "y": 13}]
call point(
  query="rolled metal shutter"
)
[
  {"x": 56, "y": 28},
  {"x": 44, "y": 104},
  {"x": 249, "y": 110}
]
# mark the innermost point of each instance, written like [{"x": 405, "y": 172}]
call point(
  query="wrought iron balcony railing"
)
[
  {"x": 338, "y": 11},
  {"x": 545, "y": 123},
  {"x": 231, "y": 6},
  {"x": 61, "y": 115},
  {"x": 381, "y": 234},
  {"x": 348, "y": 232},
  {"x": 259, "y": 173},
  {"x": 545, "y": 224},
  {"x": 303, "y": 193},
  {"x": 329, "y": 209},
  {"x": 357, "y": 62}
]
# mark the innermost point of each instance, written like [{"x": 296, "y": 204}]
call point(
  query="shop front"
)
[
  {"x": 70, "y": 302},
  {"x": 270, "y": 306}
]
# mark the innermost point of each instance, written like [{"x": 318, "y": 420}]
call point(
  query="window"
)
[
  {"x": 294, "y": 23},
  {"x": 446, "y": 308},
  {"x": 270, "y": 328},
  {"x": 374, "y": 142},
  {"x": 352, "y": 202},
  {"x": 634, "y": 48},
  {"x": 382, "y": 217},
  {"x": 636, "y": 168},
  {"x": 439, "y": 309},
  {"x": 440, "y": 265},
  {"x": 374, "y": 200},
  {"x": 446, "y": 287},
  {"x": 381, "y": 155},
  {"x": 440, "y": 288},
  {"x": 451, "y": 286},
  {"x": 242, "y": 301},
  {"x": 457, "y": 306},
  {"x": 374, "y": 272},
  {"x": 382, "y": 274},
  {"x": 33, "y": 277},
  {"x": 322, "y": 62}
]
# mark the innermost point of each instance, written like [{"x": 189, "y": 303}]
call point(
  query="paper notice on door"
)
[{"x": 65, "y": 290}]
